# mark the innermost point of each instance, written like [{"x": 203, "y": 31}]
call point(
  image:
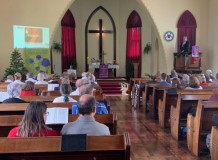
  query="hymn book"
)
[{"x": 57, "y": 115}]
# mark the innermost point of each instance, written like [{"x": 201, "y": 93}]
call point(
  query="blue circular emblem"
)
[{"x": 168, "y": 36}]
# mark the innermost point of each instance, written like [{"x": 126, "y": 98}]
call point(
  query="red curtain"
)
[
  {"x": 134, "y": 44},
  {"x": 186, "y": 27},
  {"x": 68, "y": 46}
]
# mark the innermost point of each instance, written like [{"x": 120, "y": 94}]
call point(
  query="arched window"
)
[
  {"x": 68, "y": 40},
  {"x": 133, "y": 46},
  {"x": 186, "y": 27}
]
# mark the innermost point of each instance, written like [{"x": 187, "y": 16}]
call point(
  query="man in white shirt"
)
[{"x": 30, "y": 77}]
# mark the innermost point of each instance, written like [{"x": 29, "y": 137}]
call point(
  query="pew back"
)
[
  {"x": 47, "y": 148},
  {"x": 187, "y": 102},
  {"x": 200, "y": 125},
  {"x": 214, "y": 143}
]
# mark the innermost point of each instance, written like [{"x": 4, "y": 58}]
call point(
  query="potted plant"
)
[
  {"x": 74, "y": 64},
  {"x": 57, "y": 47},
  {"x": 147, "y": 48}
]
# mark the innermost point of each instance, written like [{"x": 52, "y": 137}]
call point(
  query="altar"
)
[{"x": 111, "y": 69}]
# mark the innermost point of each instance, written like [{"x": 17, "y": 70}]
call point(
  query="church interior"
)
[{"x": 127, "y": 45}]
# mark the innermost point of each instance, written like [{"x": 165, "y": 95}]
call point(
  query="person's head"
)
[
  {"x": 84, "y": 75},
  {"x": 30, "y": 75},
  {"x": 86, "y": 89},
  {"x": 194, "y": 82},
  {"x": 14, "y": 90},
  {"x": 17, "y": 76},
  {"x": 163, "y": 76},
  {"x": 175, "y": 83},
  {"x": 65, "y": 90},
  {"x": 41, "y": 76},
  {"x": 185, "y": 38},
  {"x": 10, "y": 77},
  {"x": 28, "y": 86},
  {"x": 33, "y": 120},
  {"x": 86, "y": 105},
  {"x": 174, "y": 74},
  {"x": 208, "y": 73},
  {"x": 78, "y": 83},
  {"x": 65, "y": 79}
]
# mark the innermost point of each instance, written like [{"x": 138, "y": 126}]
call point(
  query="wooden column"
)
[{"x": 136, "y": 70}]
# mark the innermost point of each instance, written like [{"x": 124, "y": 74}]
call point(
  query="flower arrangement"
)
[{"x": 95, "y": 61}]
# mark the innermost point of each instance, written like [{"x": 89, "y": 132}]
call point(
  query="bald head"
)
[{"x": 86, "y": 104}]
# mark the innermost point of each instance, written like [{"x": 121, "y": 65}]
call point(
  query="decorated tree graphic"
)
[{"x": 16, "y": 65}]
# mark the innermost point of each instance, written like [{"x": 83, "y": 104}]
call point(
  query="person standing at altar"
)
[{"x": 185, "y": 45}]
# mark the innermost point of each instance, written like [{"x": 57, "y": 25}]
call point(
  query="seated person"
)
[
  {"x": 79, "y": 83},
  {"x": 203, "y": 82},
  {"x": 28, "y": 89},
  {"x": 175, "y": 86},
  {"x": 9, "y": 79},
  {"x": 163, "y": 80},
  {"x": 88, "y": 89},
  {"x": 185, "y": 80},
  {"x": 33, "y": 122},
  {"x": 14, "y": 90},
  {"x": 30, "y": 77},
  {"x": 174, "y": 74},
  {"x": 65, "y": 90},
  {"x": 209, "y": 76},
  {"x": 18, "y": 78},
  {"x": 216, "y": 81},
  {"x": 86, "y": 124},
  {"x": 40, "y": 78},
  {"x": 194, "y": 83}
]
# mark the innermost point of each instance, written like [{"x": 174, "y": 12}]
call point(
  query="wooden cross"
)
[{"x": 101, "y": 31}]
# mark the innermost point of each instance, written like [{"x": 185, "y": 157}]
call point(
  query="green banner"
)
[{"x": 37, "y": 60}]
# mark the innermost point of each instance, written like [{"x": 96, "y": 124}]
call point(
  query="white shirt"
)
[
  {"x": 9, "y": 81},
  {"x": 41, "y": 82},
  {"x": 61, "y": 99},
  {"x": 31, "y": 79},
  {"x": 75, "y": 93},
  {"x": 18, "y": 81}
]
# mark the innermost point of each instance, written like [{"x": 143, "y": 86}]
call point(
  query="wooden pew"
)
[
  {"x": 40, "y": 87},
  {"x": 187, "y": 99},
  {"x": 214, "y": 143},
  {"x": 157, "y": 93},
  {"x": 164, "y": 106},
  {"x": 38, "y": 98},
  {"x": 3, "y": 87},
  {"x": 50, "y": 93},
  {"x": 113, "y": 147},
  {"x": 200, "y": 125},
  {"x": 19, "y": 108},
  {"x": 149, "y": 97},
  {"x": 7, "y": 122}
]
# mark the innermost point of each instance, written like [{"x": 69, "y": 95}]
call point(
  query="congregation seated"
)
[
  {"x": 40, "y": 78},
  {"x": 173, "y": 74},
  {"x": 18, "y": 78},
  {"x": 175, "y": 85},
  {"x": 194, "y": 83},
  {"x": 33, "y": 122},
  {"x": 88, "y": 89},
  {"x": 28, "y": 89},
  {"x": 65, "y": 90},
  {"x": 9, "y": 79},
  {"x": 216, "y": 81},
  {"x": 163, "y": 80},
  {"x": 13, "y": 90},
  {"x": 86, "y": 124},
  {"x": 91, "y": 78},
  {"x": 30, "y": 77}
]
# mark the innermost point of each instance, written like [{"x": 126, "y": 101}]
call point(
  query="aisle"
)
[{"x": 148, "y": 140}]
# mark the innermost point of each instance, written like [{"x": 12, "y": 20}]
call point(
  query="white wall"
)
[{"x": 213, "y": 36}]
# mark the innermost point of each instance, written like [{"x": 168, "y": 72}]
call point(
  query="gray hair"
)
[
  {"x": 14, "y": 90},
  {"x": 86, "y": 89}
]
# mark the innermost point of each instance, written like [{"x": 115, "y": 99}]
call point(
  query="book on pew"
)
[
  {"x": 57, "y": 115},
  {"x": 74, "y": 142}
]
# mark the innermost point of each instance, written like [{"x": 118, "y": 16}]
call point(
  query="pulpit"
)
[
  {"x": 185, "y": 63},
  {"x": 111, "y": 69}
]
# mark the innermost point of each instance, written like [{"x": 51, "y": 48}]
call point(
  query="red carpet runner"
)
[{"x": 110, "y": 88}]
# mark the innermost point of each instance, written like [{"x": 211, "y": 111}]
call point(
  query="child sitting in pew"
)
[{"x": 33, "y": 122}]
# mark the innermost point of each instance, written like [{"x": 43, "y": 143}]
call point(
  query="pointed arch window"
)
[
  {"x": 186, "y": 27},
  {"x": 68, "y": 40},
  {"x": 133, "y": 46}
]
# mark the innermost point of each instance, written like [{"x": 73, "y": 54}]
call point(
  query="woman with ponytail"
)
[{"x": 65, "y": 90}]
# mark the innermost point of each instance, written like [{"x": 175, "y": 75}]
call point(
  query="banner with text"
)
[{"x": 37, "y": 60}]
